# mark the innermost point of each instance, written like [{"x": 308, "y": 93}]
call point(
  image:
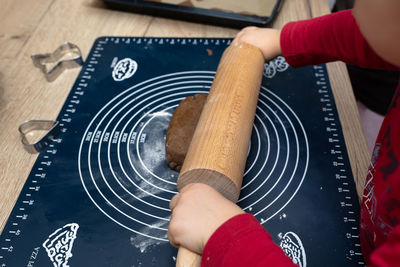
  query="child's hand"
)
[
  {"x": 197, "y": 211},
  {"x": 266, "y": 39}
]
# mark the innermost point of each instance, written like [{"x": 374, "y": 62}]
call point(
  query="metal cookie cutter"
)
[
  {"x": 53, "y": 128},
  {"x": 55, "y": 58}
]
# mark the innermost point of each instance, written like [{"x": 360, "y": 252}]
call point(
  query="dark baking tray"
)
[{"x": 208, "y": 16}]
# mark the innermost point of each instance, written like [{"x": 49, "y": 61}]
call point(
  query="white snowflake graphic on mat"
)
[
  {"x": 59, "y": 244},
  {"x": 293, "y": 248}
]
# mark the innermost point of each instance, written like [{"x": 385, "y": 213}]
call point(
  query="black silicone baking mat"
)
[{"x": 98, "y": 195}]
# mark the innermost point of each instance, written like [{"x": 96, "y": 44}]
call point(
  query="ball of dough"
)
[{"x": 181, "y": 128}]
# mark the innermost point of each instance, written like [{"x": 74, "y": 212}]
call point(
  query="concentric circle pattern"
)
[{"x": 122, "y": 156}]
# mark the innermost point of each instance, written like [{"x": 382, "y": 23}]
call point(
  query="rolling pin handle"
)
[{"x": 187, "y": 258}]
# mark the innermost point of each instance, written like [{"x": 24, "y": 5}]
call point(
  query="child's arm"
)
[
  {"x": 198, "y": 211},
  {"x": 328, "y": 38},
  {"x": 242, "y": 242},
  {"x": 266, "y": 39}
]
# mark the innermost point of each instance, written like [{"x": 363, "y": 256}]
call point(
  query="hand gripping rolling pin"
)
[{"x": 218, "y": 150}]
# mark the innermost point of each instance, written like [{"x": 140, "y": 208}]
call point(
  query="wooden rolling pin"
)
[{"x": 218, "y": 150}]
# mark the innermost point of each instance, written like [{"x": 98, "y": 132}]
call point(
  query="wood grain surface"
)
[
  {"x": 28, "y": 27},
  {"x": 218, "y": 150}
]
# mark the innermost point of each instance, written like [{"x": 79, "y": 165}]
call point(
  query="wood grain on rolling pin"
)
[{"x": 218, "y": 151}]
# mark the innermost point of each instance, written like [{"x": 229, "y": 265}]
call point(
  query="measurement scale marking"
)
[{"x": 342, "y": 188}]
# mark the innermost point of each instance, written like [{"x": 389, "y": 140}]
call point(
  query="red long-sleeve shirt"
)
[{"x": 242, "y": 241}]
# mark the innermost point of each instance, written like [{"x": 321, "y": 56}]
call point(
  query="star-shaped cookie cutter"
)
[
  {"x": 55, "y": 59},
  {"x": 52, "y": 127}
]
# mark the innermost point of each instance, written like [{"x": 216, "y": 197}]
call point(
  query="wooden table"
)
[{"x": 40, "y": 26}]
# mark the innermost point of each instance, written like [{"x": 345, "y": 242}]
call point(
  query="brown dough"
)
[{"x": 181, "y": 129}]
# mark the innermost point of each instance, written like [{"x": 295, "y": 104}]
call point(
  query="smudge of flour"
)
[{"x": 144, "y": 243}]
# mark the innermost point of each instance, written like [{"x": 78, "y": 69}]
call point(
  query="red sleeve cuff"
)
[
  {"x": 319, "y": 40},
  {"x": 289, "y": 49},
  {"x": 328, "y": 38},
  {"x": 242, "y": 241}
]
